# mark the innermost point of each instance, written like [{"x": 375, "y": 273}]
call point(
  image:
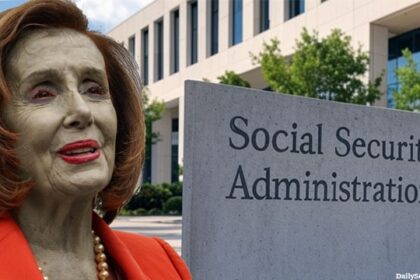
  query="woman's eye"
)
[
  {"x": 95, "y": 90},
  {"x": 42, "y": 94}
]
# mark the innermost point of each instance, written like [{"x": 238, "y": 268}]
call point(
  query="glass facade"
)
[
  {"x": 236, "y": 22},
  {"x": 296, "y": 7},
  {"x": 175, "y": 41},
  {"x": 214, "y": 27},
  {"x": 159, "y": 50},
  {"x": 132, "y": 45},
  {"x": 145, "y": 56},
  {"x": 264, "y": 15},
  {"x": 193, "y": 32},
  {"x": 409, "y": 40}
]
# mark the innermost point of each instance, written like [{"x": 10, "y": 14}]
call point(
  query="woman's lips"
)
[{"x": 80, "y": 151}]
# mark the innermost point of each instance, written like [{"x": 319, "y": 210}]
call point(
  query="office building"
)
[{"x": 176, "y": 40}]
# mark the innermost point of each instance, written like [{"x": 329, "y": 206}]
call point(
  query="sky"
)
[{"x": 103, "y": 15}]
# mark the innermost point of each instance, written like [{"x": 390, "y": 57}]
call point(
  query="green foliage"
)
[
  {"x": 173, "y": 205},
  {"x": 180, "y": 169},
  {"x": 137, "y": 212},
  {"x": 175, "y": 188},
  {"x": 155, "y": 200},
  {"x": 275, "y": 67},
  {"x": 326, "y": 68},
  {"x": 154, "y": 212},
  {"x": 153, "y": 111},
  {"x": 408, "y": 97},
  {"x": 231, "y": 78},
  {"x": 150, "y": 196}
]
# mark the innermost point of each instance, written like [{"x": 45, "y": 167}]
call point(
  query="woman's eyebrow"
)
[
  {"x": 40, "y": 75},
  {"x": 54, "y": 74},
  {"x": 93, "y": 71}
]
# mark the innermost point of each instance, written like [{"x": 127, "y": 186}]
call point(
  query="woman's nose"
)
[{"x": 78, "y": 113}]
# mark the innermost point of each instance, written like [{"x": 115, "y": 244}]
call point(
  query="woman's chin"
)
[{"x": 82, "y": 183}]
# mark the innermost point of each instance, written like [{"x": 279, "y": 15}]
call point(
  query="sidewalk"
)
[{"x": 166, "y": 227}]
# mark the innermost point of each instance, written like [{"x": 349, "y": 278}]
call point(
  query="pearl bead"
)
[
  {"x": 101, "y": 257},
  {"x": 96, "y": 240},
  {"x": 99, "y": 248},
  {"x": 103, "y": 275},
  {"x": 102, "y": 266}
]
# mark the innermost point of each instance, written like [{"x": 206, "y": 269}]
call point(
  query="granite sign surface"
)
[{"x": 285, "y": 187}]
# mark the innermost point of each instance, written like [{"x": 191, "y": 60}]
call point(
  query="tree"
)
[
  {"x": 231, "y": 78},
  {"x": 153, "y": 111},
  {"x": 408, "y": 95},
  {"x": 326, "y": 68}
]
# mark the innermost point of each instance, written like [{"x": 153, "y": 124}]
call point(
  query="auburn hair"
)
[{"x": 125, "y": 89}]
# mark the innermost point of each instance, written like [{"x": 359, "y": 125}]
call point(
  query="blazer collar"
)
[
  {"x": 16, "y": 258},
  {"x": 18, "y": 262}
]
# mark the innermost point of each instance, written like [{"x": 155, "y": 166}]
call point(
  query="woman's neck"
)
[{"x": 58, "y": 230}]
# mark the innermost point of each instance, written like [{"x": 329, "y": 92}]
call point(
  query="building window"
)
[
  {"x": 132, "y": 45},
  {"x": 145, "y": 56},
  {"x": 236, "y": 22},
  {"x": 214, "y": 27},
  {"x": 296, "y": 7},
  {"x": 264, "y": 15},
  {"x": 147, "y": 168},
  {"x": 409, "y": 40},
  {"x": 175, "y": 42},
  {"x": 159, "y": 50},
  {"x": 174, "y": 151},
  {"x": 193, "y": 32}
]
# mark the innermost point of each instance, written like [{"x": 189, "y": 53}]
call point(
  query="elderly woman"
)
[{"x": 71, "y": 136}]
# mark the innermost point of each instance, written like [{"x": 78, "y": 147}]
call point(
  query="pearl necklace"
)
[{"x": 100, "y": 259}]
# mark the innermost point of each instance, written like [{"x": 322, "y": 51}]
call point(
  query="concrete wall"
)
[{"x": 254, "y": 206}]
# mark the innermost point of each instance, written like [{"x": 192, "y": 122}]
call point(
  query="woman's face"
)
[{"x": 62, "y": 112}]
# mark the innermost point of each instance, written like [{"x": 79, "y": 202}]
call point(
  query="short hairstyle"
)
[{"x": 125, "y": 89}]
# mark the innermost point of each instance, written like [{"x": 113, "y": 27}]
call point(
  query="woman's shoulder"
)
[{"x": 154, "y": 255}]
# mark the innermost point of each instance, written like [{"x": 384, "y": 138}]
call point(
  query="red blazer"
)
[{"x": 138, "y": 257}]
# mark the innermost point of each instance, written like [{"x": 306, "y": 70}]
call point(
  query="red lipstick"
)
[{"x": 80, "y": 151}]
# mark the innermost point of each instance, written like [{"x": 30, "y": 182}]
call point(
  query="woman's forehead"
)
[
  {"x": 57, "y": 37},
  {"x": 54, "y": 48}
]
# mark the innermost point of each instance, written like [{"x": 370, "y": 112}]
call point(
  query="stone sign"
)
[{"x": 285, "y": 187}]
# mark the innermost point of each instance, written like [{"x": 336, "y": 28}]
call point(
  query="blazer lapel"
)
[{"x": 17, "y": 261}]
